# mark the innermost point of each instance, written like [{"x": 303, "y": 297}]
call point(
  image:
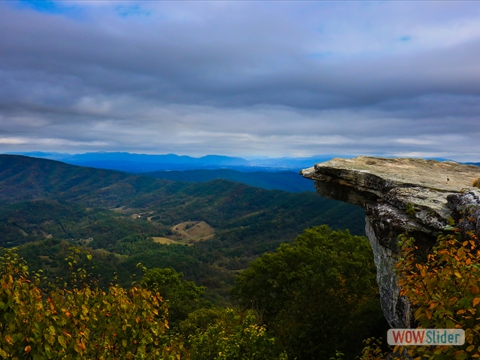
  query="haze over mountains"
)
[{"x": 139, "y": 163}]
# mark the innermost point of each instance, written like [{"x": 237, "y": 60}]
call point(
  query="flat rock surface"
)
[{"x": 444, "y": 176}]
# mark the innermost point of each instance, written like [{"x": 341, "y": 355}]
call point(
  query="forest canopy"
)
[{"x": 317, "y": 295}]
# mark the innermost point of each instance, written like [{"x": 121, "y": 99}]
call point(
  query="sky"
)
[{"x": 242, "y": 78}]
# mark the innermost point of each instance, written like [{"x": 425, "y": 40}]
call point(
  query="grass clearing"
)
[{"x": 193, "y": 231}]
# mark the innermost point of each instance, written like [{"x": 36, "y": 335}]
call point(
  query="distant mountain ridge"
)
[
  {"x": 281, "y": 180},
  {"x": 140, "y": 163}
]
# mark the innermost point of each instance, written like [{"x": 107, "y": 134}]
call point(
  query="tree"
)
[
  {"x": 317, "y": 295},
  {"x": 228, "y": 334},
  {"x": 182, "y": 297}
]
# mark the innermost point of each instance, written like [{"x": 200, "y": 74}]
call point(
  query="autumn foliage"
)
[
  {"x": 443, "y": 288},
  {"x": 444, "y": 291},
  {"x": 78, "y": 322}
]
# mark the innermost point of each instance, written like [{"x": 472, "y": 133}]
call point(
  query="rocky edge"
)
[{"x": 417, "y": 196}]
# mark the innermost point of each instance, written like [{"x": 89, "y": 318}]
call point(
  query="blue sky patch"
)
[
  {"x": 42, "y": 6},
  {"x": 50, "y": 7}
]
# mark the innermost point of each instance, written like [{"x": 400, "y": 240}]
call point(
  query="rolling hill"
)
[{"x": 44, "y": 201}]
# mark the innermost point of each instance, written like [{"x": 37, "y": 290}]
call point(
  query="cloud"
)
[{"x": 241, "y": 78}]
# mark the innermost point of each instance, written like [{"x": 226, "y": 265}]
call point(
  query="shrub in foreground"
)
[{"x": 79, "y": 322}]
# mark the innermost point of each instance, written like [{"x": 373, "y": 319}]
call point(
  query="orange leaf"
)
[
  {"x": 453, "y": 300},
  {"x": 28, "y": 348},
  {"x": 475, "y": 289},
  {"x": 428, "y": 313},
  {"x": 81, "y": 345},
  {"x": 476, "y": 301}
]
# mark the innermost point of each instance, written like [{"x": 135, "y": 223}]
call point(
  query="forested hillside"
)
[{"x": 213, "y": 229}]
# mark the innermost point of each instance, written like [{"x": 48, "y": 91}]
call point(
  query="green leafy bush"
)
[{"x": 227, "y": 334}]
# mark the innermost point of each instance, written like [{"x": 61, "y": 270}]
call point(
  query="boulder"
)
[{"x": 399, "y": 195}]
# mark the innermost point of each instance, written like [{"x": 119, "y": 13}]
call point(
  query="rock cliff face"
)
[{"x": 399, "y": 195}]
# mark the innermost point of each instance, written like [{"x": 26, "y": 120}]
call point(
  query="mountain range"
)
[
  {"x": 140, "y": 163},
  {"x": 213, "y": 228}
]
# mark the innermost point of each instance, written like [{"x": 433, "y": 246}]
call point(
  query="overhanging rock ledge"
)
[{"x": 399, "y": 195}]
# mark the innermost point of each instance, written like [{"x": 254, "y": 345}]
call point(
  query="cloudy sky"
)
[{"x": 244, "y": 78}]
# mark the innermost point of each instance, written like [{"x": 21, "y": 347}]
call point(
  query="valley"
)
[{"x": 208, "y": 230}]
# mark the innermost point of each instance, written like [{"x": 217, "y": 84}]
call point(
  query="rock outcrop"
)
[{"x": 400, "y": 195}]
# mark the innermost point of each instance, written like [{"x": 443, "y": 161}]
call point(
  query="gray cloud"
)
[{"x": 242, "y": 78}]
